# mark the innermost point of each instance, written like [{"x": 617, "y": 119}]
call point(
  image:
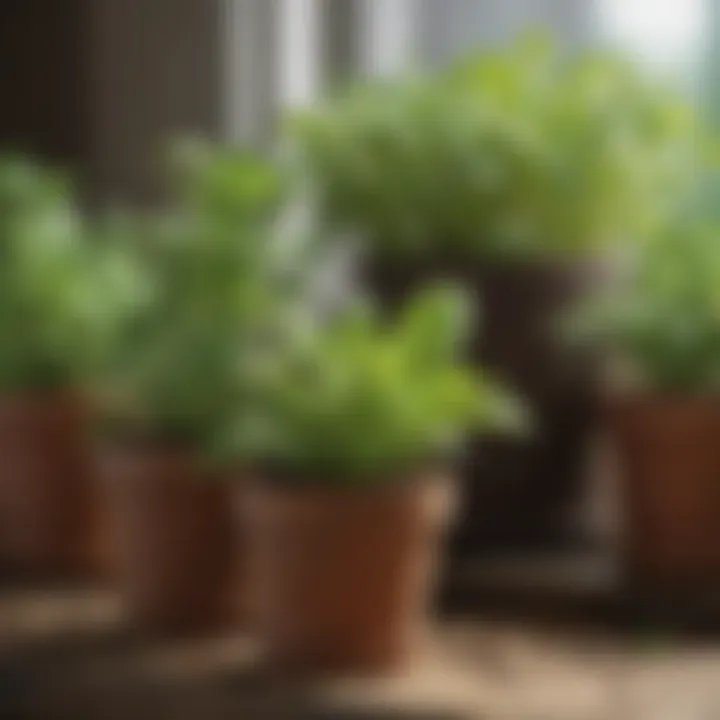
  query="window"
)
[{"x": 666, "y": 34}]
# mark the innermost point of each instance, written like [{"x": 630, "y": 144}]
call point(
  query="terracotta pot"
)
[
  {"x": 521, "y": 492},
  {"x": 669, "y": 455},
  {"x": 176, "y": 552},
  {"x": 51, "y": 519},
  {"x": 341, "y": 577}
]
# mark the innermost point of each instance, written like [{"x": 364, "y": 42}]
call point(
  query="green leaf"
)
[
  {"x": 520, "y": 150},
  {"x": 366, "y": 401}
]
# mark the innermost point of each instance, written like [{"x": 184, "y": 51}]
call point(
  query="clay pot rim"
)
[
  {"x": 57, "y": 405},
  {"x": 661, "y": 399},
  {"x": 148, "y": 450},
  {"x": 33, "y": 397},
  {"x": 132, "y": 440},
  {"x": 276, "y": 481},
  {"x": 437, "y": 492},
  {"x": 643, "y": 407}
]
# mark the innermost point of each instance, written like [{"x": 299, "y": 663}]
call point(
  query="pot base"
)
[
  {"x": 669, "y": 451},
  {"x": 342, "y": 577},
  {"x": 176, "y": 551},
  {"x": 51, "y": 517}
]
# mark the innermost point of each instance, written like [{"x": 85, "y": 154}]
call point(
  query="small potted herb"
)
[
  {"x": 186, "y": 363},
  {"x": 662, "y": 335},
  {"x": 513, "y": 172},
  {"x": 353, "y": 491},
  {"x": 61, "y": 299}
]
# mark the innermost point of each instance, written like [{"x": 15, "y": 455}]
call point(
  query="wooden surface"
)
[{"x": 67, "y": 653}]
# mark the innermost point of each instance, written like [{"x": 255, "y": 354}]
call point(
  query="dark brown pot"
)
[
  {"x": 51, "y": 519},
  {"x": 520, "y": 491},
  {"x": 669, "y": 455},
  {"x": 341, "y": 578},
  {"x": 176, "y": 551}
]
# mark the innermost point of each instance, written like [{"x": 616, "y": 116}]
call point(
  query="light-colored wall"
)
[
  {"x": 249, "y": 72},
  {"x": 451, "y": 27},
  {"x": 394, "y": 34},
  {"x": 342, "y": 46}
]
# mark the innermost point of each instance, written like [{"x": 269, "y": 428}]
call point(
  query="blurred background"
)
[
  {"x": 102, "y": 84},
  {"x": 101, "y": 87}
]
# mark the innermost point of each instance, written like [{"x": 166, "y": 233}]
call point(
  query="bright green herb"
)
[
  {"x": 62, "y": 293},
  {"x": 517, "y": 151},
  {"x": 225, "y": 296},
  {"x": 368, "y": 401},
  {"x": 662, "y": 327}
]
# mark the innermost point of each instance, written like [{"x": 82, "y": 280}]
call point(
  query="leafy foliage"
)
[
  {"x": 520, "y": 150},
  {"x": 62, "y": 295},
  {"x": 663, "y": 327},
  {"x": 224, "y": 290},
  {"x": 364, "y": 401}
]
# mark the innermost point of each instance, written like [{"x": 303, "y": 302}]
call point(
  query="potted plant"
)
[
  {"x": 662, "y": 335},
  {"x": 61, "y": 298},
  {"x": 188, "y": 362},
  {"x": 352, "y": 488},
  {"x": 515, "y": 172}
]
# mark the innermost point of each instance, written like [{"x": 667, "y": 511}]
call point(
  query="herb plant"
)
[
  {"x": 63, "y": 292},
  {"x": 662, "y": 327},
  {"x": 225, "y": 289},
  {"x": 516, "y": 151},
  {"x": 365, "y": 401}
]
